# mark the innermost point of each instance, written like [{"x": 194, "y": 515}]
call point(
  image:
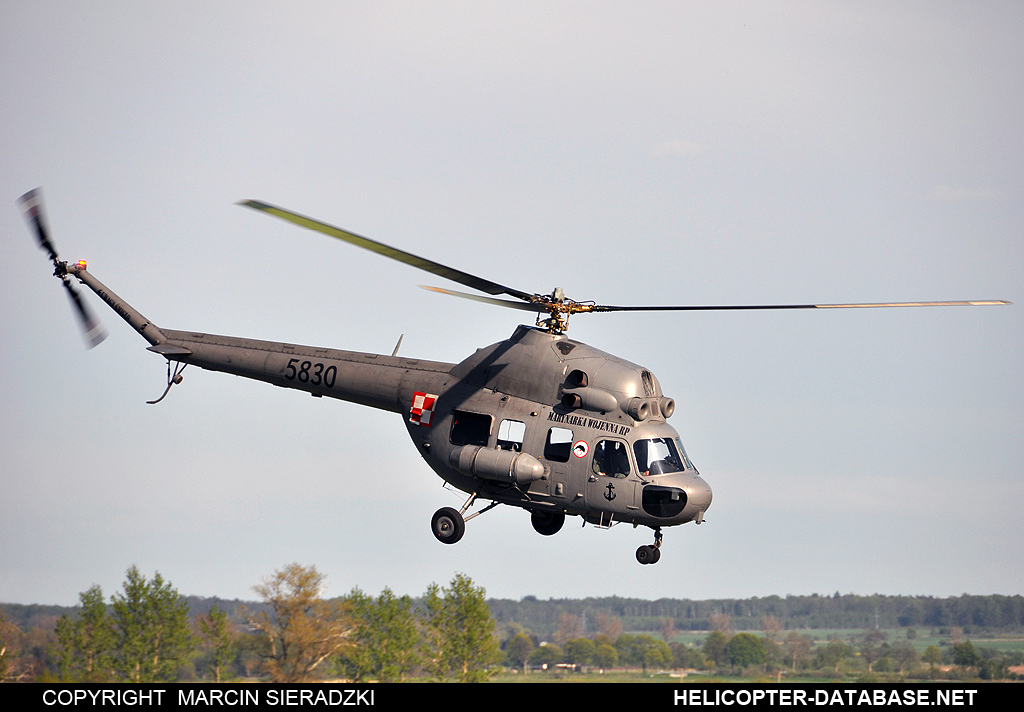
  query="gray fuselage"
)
[{"x": 537, "y": 421}]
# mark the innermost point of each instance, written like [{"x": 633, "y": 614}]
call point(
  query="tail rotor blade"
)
[
  {"x": 91, "y": 328},
  {"x": 32, "y": 204}
]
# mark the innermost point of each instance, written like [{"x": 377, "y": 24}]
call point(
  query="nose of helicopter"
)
[
  {"x": 698, "y": 496},
  {"x": 677, "y": 497}
]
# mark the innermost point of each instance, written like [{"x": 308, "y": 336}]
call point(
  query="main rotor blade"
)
[
  {"x": 32, "y": 204},
  {"x": 523, "y": 306},
  {"x": 380, "y": 248},
  {"x": 609, "y": 308}
]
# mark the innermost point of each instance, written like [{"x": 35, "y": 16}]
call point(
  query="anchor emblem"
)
[{"x": 610, "y": 494}]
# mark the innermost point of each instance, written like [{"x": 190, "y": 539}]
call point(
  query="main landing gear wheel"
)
[
  {"x": 547, "y": 523},
  {"x": 448, "y": 525},
  {"x": 650, "y": 554}
]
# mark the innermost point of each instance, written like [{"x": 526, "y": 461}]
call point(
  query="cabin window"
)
[
  {"x": 470, "y": 428},
  {"x": 558, "y": 445},
  {"x": 511, "y": 434},
  {"x": 611, "y": 459}
]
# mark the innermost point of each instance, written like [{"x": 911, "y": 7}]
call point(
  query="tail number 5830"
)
[{"x": 312, "y": 373}]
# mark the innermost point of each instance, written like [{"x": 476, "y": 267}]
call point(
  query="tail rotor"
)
[{"x": 32, "y": 204}]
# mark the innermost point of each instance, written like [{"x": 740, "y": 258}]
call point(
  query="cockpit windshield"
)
[{"x": 659, "y": 456}]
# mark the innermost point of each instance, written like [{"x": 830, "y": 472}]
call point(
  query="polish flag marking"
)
[{"x": 422, "y": 410}]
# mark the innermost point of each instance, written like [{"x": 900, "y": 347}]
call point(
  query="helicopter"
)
[{"x": 538, "y": 421}]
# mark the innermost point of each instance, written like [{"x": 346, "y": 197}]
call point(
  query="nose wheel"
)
[
  {"x": 547, "y": 523},
  {"x": 650, "y": 554}
]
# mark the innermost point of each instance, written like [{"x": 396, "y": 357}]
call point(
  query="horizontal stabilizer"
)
[{"x": 166, "y": 349}]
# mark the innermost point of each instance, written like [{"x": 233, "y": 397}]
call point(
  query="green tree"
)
[
  {"x": 833, "y": 654},
  {"x": 932, "y": 655},
  {"x": 152, "y": 629},
  {"x": 745, "y": 649},
  {"x": 606, "y": 656},
  {"x": 518, "y": 650},
  {"x": 993, "y": 669},
  {"x": 965, "y": 655},
  {"x": 219, "y": 637},
  {"x": 386, "y": 639},
  {"x": 656, "y": 655},
  {"x": 302, "y": 630},
  {"x": 774, "y": 654},
  {"x": 85, "y": 645},
  {"x": 685, "y": 656},
  {"x": 625, "y": 646},
  {"x": 714, "y": 647},
  {"x": 580, "y": 651},
  {"x": 903, "y": 654},
  {"x": 643, "y": 650},
  {"x": 461, "y": 632}
]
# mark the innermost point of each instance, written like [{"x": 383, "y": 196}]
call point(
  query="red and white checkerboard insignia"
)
[{"x": 422, "y": 410}]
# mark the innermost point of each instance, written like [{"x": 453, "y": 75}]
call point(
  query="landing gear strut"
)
[{"x": 650, "y": 554}]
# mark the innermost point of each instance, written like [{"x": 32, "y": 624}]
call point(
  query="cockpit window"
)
[
  {"x": 686, "y": 459},
  {"x": 611, "y": 459},
  {"x": 658, "y": 456}
]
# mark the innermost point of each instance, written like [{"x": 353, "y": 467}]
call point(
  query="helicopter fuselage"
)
[{"x": 537, "y": 421}]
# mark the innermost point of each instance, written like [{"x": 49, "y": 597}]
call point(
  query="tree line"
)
[
  {"x": 838, "y": 611},
  {"x": 148, "y": 632},
  {"x": 867, "y": 654},
  {"x": 144, "y": 633}
]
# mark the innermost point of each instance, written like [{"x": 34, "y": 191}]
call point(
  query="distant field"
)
[
  {"x": 1005, "y": 643},
  {"x": 1008, "y": 643}
]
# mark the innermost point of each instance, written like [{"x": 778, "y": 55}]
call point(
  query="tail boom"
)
[
  {"x": 375, "y": 380},
  {"x": 137, "y": 321}
]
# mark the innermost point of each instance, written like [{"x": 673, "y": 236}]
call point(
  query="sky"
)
[{"x": 630, "y": 153}]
